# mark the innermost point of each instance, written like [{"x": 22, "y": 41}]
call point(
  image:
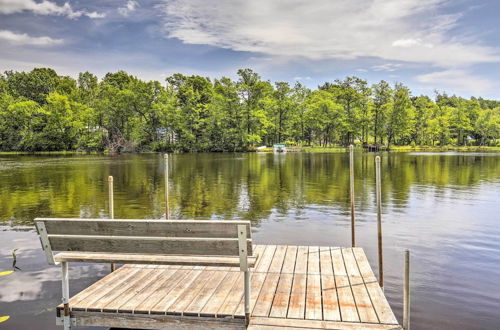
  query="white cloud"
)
[
  {"x": 24, "y": 39},
  {"x": 394, "y": 30},
  {"x": 44, "y": 8},
  {"x": 407, "y": 43},
  {"x": 129, "y": 7},
  {"x": 456, "y": 80},
  {"x": 386, "y": 67}
]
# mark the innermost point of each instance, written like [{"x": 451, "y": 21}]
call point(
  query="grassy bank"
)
[
  {"x": 444, "y": 148},
  {"x": 304, "y": 149},
  {"x": 399, "y": 149}
]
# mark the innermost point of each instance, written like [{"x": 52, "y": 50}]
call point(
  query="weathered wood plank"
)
[
  {"x": 265, "y": 299},
  {"x": 279, "y": 306},
  {"x": 265, "y": 259},
  {"x": 257, "y": 278},
  {"x": 162, "y": 293},
  {"x": 95, "y": 287},
  {"x": 118, "y": 292},
  {"x": 141, "y": 227},
  {"x": 144, "y": 321},
  {"x": 290, "y": 258},
  {"x": 297, "y": 304},
  {"x": 281, "y": 323},
  {"x": 363, "y": 302},
  {"x": 348, "y": 310},
  {"x": 162, "y": 275},
  {"x": 205, "y": 294},
  {"x": 220, "y": 295},
  {"x": 190, "y": 293},
  {"x": 301, "y": 263},
  {"x": 300, "y": 287},
  {"x": 165, "y": 302},
  {"x": 313, "y": 261},
  {"x": 131, "y": 291},
  {"x": 313, "y": 297},
  {"x": 234, "y": 297},
  {"x": 266, "y": 296},
  {"x": 147, "y": 245},
  {"x": 384, "y": 311},
  {"x": 278, "y": 258},
  {"x": 104, "y": 288},
  {"x": 151, "y": 259},
  {"x": 331, "y": 309}
]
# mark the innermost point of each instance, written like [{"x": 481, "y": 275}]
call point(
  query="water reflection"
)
[
  {"x": 225, "y": 186},
  {"x": 444, "y": 207}
]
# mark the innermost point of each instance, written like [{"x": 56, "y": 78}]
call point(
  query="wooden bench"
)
[{"x": 160, "y": 242}]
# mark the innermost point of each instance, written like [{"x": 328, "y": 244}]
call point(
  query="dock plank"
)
[
  {"x": 206, "y": 293},
  {"x": 148, "y": 291},
  {"x": 165, "y": 302},
  {"x": 291, "y": 287},
  {"x": 279, "y": 306},
  {"x": 331, "y": 308},
  {"x": 384, "y": 311},
  {"x": 147, "y": 305},
  {"x": 220, "y": 295},
  {"x": 348, "y": 310},
  {"x": 297, "y": 304},
  {"x": 190, "y": 293},
  {"x": 121, "y": 291},
  {"x": 313, "y": 298},
  {"x": 313, "y": 291},
  {"x": 95, "y": 287},
  {"x": 233, "y": 299},
  {"x": 105, "y": 288},
  {"x": 132, "y": 290},
  {"x": 363, "y": 302}
]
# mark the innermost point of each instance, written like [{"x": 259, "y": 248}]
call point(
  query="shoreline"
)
[{"x": 270, "y": 150}]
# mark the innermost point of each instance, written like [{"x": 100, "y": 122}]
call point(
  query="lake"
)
[{"x": 444, "y": 207}]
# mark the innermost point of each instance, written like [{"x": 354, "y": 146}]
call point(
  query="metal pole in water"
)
[
  {"x": 167, "y": 208},
  {"x": 351, "y": 177},
  {"x": 110, "y": 191},
  {"x": 406, "y": 297},
  {"x": 379, "y": 222},
  {"x": 111, "y": 207}
]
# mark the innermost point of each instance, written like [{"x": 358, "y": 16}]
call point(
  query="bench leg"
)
[
  {"x": 65, "y": 296},
  {"x": 247, "y": 297}
]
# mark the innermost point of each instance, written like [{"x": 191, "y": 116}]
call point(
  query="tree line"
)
[{"x": 43, "y": 111}]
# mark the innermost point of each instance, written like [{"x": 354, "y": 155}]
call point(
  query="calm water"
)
[{"x": 443, "y": 207}]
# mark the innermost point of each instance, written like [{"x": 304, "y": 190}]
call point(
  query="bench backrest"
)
[{"x": 162, "y": 237}]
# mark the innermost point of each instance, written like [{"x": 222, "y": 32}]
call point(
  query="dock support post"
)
[
  {"x": 111, "y": 207},
  {"x": 111, "y": 202},
  {"x": 351, "y": 179},
  {"x": 65, "y": 295},
  {"x": 379, "y": 222},
  {"x": 167, "y": 208},
  {"x": 406, "y": 298},
  {"x": 242, "y": 245}
]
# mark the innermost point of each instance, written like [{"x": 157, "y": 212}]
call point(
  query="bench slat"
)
[
  {"x": 147, "y": 245},
  {"x": 153, "y": 228},
  {"x": 156, "y": 259}
]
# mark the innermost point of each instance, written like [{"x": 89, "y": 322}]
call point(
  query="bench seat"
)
[{"x": 152, "y": 259}]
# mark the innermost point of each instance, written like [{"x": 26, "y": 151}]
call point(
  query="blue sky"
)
[{"x": 445, "y": 45}]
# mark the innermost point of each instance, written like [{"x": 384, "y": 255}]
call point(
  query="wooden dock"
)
[{"x": 292, "y": 287}]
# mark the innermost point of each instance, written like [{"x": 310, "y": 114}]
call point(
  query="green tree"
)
[
  {"x": 253, "y": 92},
  {"x": 382, "y": 101},
  {"x": 400, "y": 118}
]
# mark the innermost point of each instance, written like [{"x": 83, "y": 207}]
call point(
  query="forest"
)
[{"x": 43, "y": 111}]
